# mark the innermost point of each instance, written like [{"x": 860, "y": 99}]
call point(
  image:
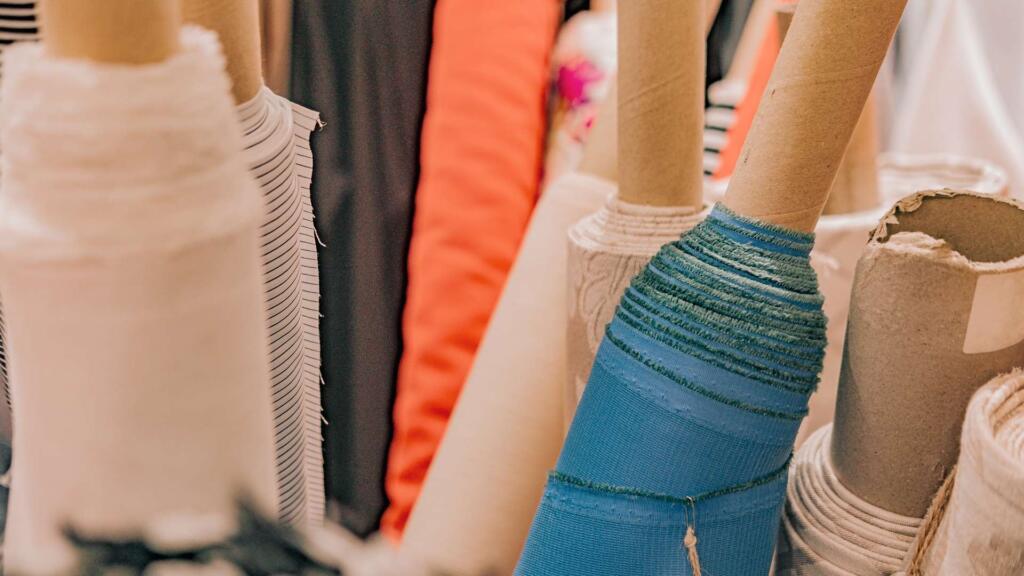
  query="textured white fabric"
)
[
  {"x": 982, "y": 529},
  {"x": 828, "y": 531},
  {"x": 606, "y": 250},
  {"x": 275, "y": 136},
  {"x": 129, "y": 264},
  {"x": 506, "y": 430},
  {"x": 952, "y": 103},
  {"x": 841, "y": 238}
]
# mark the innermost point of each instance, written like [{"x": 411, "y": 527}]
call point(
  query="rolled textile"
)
[
  {"x": 829, "y": 531},
  {"x": 840, "y": 240},
  {"x": 506, "y": 430},
  {"x": 981, "y": 531},
  {"x": 950, "y": 79},
  {"x": 275, "y": 137},
  {"x": 678, "y": 452},
  {"x": 583, "y": 61},
  {"x": 606, "y": 250},
  {"x": 129, "y": 259},
  {"x": 482, "y": 142}
]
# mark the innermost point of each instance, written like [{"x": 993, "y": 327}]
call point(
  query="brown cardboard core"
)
[{"x": 982, "y": 229}]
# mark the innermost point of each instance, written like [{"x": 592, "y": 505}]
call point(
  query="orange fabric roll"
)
[
  {"x": 747, "y": 108},
  {"x": 482, "y": 151}
]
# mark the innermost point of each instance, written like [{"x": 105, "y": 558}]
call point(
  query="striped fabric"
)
[{"x": 276, "y": 137}]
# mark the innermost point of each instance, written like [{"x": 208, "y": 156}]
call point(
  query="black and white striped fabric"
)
[
  {"x": 276, "y": 136},
  {"x": 719, "y": 117},
  {"x": 17, "y": 23}
]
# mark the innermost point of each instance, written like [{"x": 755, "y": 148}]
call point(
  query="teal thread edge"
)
[
  {"x": 703, "y": 497},
  {"x": 787, "y": 233},
  {"x": 659, "y": 368}
]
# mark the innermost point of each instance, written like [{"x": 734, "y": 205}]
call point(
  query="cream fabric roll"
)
[
  {"x": 982, "y": 530},
  {"x": 840, "y": 240},
  {"x": 506, "y": 430},
  {"x": 606, "y": 250},
  {"x": 275, "y": 136},
  {"x": 130, "y": 269},
  {"x": 829, "y": 531}
]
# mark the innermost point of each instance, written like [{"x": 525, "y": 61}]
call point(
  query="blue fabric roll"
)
[{"x": 690, "y": 413}]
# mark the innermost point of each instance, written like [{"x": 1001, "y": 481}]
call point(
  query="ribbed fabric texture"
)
[
  {"x": 482, "y": 144},
  {"x": 693, "y": 402},
  {"x": 276, "y": 140},
  {"x": 828, "y": 530}
]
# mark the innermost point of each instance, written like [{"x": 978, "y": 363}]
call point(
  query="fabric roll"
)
[
  {"x": 693, "y": 403},
  {"x": 840, "y": 240},
  {"x": 950, "y": 79},
  {"x": 506, "y": 430},
  {"x": 482, "y": 144},
  {"x": 131, "y": 270},
  {"x": 606, "y": 250},
  {"x": 584, "y": 61},
  {"x": 363, "y": 65},
  {"x": 829, "y": 531},
  {"x": 981, "y": 528},
  {"x": 276, "y": 147}
]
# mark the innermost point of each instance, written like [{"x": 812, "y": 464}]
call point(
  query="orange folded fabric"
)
[
  {"x": 747, "y": 108},
  {"x": 482, "y": 150}
]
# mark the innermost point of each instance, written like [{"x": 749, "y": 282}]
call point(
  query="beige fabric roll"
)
[
  {"x": 982, "y": 530},
  {"x": 606, "y": 250},
  {"x": 129, "y": 264},
  {"x": 506, "y": 431},
  {"x": 828, "y": 531},
  {"x": 840, "y": 240}
]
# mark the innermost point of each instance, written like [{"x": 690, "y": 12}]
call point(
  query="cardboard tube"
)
[
  {"x": 114, "y": 31},
  {"x": 750, "y": 41},
  {"x": 237, "y": 23},
  {"x": 276, "y": 40},
  {"x": 661, "y": 102},
  {"x": 935, "y": 313},
  {"x": 600, "y": 151},
  {"x": 784, "y": 19},
  {"x": 816, "y": 94},
  {"x": 602, "y": 5},
  {"x": 855, "y": 188}
]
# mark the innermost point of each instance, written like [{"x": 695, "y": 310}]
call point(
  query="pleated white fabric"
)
[
  {"x": 840, "y": 240},
  {"x": 829, "y": 531},
  {"x": 951, "y": 102},
  {"x": 276, "y": 143},
  {"x": 606, "y": 250},
  {"x": 982, "y": 530},
  {"x": 505, "y": 433},
  {"x": 129, "y": 262}
]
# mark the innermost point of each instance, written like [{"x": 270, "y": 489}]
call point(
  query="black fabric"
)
[
  {"x": 725, "y": 36},
  {"x": 363, "y": 65}
]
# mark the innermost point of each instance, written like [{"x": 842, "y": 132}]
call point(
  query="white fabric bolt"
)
[
  {"x": 829, "y": 531},
  {"x": 982, "y": 530},
  {"x": 606, "y": 250},
  {"x": 129, "y": 264}
]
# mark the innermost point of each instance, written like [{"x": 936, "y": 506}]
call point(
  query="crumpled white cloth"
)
[
  {"x": 982, "y": 529},
  {"x": 606, "y": 250},
  {"x": 829, "y": 531}
]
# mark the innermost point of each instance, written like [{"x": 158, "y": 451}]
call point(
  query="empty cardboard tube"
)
[
  {"x": 121, "y": 32},
  {"x": 855, "y": 188},
  {"x": 935, "y": 314},
  {"x": 600, "y": 151},
  {"x": 237, "y": 23},
  {"x": 817, "y": 91},
  {"x": 661, "y": 102}
]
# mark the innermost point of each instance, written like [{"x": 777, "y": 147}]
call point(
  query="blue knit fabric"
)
[{"x": 689, "y": 417}]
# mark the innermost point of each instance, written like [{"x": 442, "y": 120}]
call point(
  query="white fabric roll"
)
[
  {"x": 840, "y": 240},
  {"x": 275, "y": 136},
  {"x": 129, "y": 264},
  {"x": 982, "y": 529},
  {"x": 828, "y": 531},
  {"x": 606, "y": 250},
  {"x": 506, "y": 431}
]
